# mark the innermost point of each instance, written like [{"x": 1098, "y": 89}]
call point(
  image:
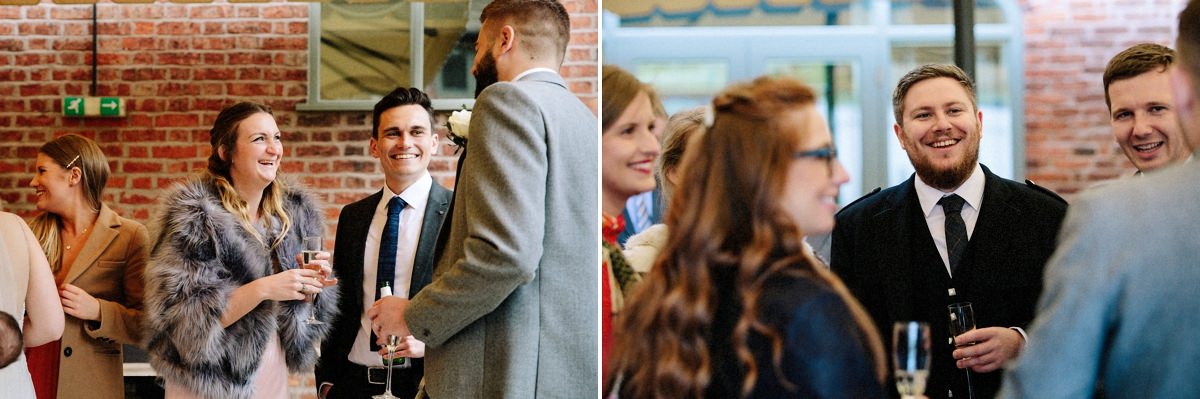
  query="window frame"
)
[{"x": 313, "y": 101}]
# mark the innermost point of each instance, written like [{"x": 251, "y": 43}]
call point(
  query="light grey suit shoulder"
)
[
  {"x": 511, "y": 310},
  {"x": 1120, "y": 310}
]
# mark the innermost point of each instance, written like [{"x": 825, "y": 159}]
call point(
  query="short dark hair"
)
[
  {"x": 1134, "y": 61},
  {"x": 544, "y": 23},
  {"x": 400, "y": 97},
  {"x": 926, "y": 72}
]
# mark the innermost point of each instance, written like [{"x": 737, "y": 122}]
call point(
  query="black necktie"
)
[
  {"x": 385, "y": 273},
  {"x": 956, "y": 230}
]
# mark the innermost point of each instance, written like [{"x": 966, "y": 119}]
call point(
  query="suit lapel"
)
[
  {"x": 104, "y": 232},
  {"x": 435, "y": 211},
  {"x": 893, "y": 233},
  {"x": 996, "y": 218},
  {"x": 356, "y": 235}
]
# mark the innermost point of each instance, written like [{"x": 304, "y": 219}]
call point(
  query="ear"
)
[
  {"x": 76, "y": 175},
  {"x": 899, "y": 134},
  {"x": 221, "y": 152},
  {"x": 374, "y": 147},
  {"x": 979, "y": 122},
  {"x": 1181, "y": 89},
  {"x": 507, "y": 39}
]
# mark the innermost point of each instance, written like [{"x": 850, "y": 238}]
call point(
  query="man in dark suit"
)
[
  {"x": 954, "y": 232},
  {"x": 385, "y": 239}
]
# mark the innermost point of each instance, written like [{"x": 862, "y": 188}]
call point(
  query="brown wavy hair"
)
[{"x": 727, "y": 215}]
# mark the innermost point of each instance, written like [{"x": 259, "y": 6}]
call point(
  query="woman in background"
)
[
  {"x": 26, "y": 287},
  {"x": 628, "y": 152},
  {"x": 641, "y": 249},
  {"x": 735, "y": 307},
  {"x": 98, "y": 258},
  {"x": 225, "y": 287}
]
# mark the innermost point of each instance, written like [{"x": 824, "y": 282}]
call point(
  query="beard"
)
[
  {"x": 948, "y": 178},
  {"x": 485, "y": 73}
]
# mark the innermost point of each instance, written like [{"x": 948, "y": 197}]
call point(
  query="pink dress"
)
[{"x": 270, "y": 381}]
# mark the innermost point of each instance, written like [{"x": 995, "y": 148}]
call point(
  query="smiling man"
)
[
  {"x": 1137, "y": 89},
  {"x": 385, "y": 239},
  {"x": 953, "y": 232}
]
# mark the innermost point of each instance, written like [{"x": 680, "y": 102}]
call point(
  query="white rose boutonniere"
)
[{"x": 459, "y": 124}]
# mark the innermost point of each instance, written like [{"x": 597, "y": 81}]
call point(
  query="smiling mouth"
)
[
  {"x": 1148, "y": 147},
  {"x": 944, "y": 143},
  {"x": 403, "y": 156}
]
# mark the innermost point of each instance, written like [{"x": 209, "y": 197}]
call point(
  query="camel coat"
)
[{"x": 109, "y": 267}]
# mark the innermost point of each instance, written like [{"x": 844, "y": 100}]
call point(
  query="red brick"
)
[
  {"x": 141, "y": 167},
  {"x": 176, "y": 120},
  {"x": 175, "y": 151}
]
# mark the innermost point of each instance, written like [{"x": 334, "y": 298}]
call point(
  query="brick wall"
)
[
  {"x": 178, "y": 65},
  {"x": 1069, "y": 145}
]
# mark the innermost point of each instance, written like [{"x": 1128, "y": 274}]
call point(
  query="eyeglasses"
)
[{"x": 827, "y": 153}]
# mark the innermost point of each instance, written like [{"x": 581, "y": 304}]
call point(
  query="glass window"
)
[
  {"x": 683, "y": 84},
  {"x": 662, "y": 13},
  {"x": 927, "y": 12},
  {"x": 366, "y": 50}
]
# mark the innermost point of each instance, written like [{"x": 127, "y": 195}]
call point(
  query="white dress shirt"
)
[
  {"x": 417, "y": 197},
  {"x": 971, "y": 191}
]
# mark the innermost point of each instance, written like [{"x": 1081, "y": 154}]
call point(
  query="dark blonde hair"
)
[
  {"x": 926, "y": 72},
  {"x": 71, "y": 151},
  {"x": 726, "y": 216},
  {"x": 681, "y": 128},
  {"x": 1134, "y": 61},
  {"x": 224, "y": 135}
]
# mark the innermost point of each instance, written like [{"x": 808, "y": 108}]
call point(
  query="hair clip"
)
[
  {"x": 709, "y": 116},
  {"x": 72, "y": 162}
]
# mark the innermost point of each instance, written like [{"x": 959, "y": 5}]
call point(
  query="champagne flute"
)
[
  {"x": 962, "y": 319},
  {"x": 910, "y": 360},
  {"x": 387, "y": 387},
  {"x": 311, "y": 247}
]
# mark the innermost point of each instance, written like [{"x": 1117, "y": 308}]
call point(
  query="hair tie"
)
[{"x": 709, "y": 116}]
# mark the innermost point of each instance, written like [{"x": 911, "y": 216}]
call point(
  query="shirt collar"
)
[
  {"x": 971, "y": 191},
  {"x": 532, "y": 70},
  {"x": 416, "y": 195}
]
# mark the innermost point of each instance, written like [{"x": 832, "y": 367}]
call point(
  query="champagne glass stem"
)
[{"x": 387, "y": 387}]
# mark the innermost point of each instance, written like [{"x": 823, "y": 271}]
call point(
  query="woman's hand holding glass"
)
[{"x": 289, "y": 285}]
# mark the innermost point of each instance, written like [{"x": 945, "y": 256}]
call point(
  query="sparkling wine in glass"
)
[
  {"x": 387, "y": 387},
  {"x": 910, "y": 357},
  {"x": 308, "y": 252},
  {"x": 962, "y": 319}
]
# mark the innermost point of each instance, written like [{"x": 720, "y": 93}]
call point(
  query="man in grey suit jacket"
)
[
  {"x": 1120, "y": 313},
  {"x": 511, "y": 311},
  {"x": 403, "y": 140}
]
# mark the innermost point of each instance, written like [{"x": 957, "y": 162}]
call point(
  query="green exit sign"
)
[{"x": 82, "y": 107}]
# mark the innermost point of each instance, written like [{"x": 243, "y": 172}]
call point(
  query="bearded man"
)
[{"x": 953, "y": 232}]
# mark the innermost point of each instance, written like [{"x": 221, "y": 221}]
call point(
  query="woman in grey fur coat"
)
[{"x": 225, "y": 290}]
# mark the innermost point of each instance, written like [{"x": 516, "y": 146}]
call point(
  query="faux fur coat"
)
[{"x": 201, "y": 254}]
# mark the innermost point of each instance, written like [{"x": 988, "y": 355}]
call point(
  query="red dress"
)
[{"x": 611, "y": 227}]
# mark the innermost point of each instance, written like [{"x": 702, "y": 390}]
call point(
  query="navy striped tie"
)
[{"x": 388, "y": 241}]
